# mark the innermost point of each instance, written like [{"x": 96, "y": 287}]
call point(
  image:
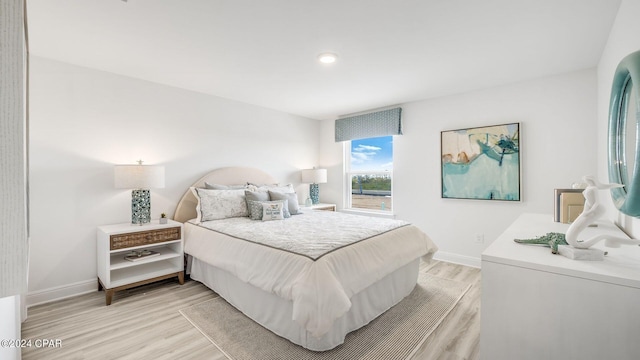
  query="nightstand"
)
[
  {"x": 115, "y": 242},
  {"x": 320, "y": 206}
]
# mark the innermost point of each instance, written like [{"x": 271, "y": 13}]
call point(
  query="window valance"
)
[{"x": 375, "y": 124}]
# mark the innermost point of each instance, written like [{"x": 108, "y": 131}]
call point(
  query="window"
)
[
  {"x": 369, "y": 173},
  {"x": 368, "y": 162}
]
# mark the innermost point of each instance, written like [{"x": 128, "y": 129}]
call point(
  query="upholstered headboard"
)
[{"x": 186, "y": 209}]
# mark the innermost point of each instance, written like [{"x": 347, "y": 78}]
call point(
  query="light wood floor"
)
[{"x": 144, "y": 323}]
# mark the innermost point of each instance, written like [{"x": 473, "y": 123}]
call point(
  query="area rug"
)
[{"x": 396, "y": 334}]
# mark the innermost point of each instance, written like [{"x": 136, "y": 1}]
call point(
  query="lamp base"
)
[
  {"x": 140, "y": 207},
  {"x": 314, "y": 193}
]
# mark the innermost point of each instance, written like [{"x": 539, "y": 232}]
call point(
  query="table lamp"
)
[
  {"x": 140, "y": 178},
  {"x": 313, "y": 177}
]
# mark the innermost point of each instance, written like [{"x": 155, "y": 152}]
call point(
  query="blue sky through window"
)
[{"x": 372, "y": 154}]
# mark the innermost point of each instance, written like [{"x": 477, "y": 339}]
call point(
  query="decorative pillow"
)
[
  {"x": 257, "y": 208},
  {"x": 285, "y": 209},
  {"x": 261, "y": 185},
  {"x": 219, "y": 204},
  {"x": 223, "y": 187},
  {"x": 288, "y": 188},
  {"x": 272, "y": 210},
  {"x": 255, "y": 196},
  {"x": 292, "y": 198}
]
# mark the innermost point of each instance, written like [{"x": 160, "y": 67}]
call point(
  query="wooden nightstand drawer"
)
[
  {"x": 326, "y": 208},
  {"x": 117, "y": 271},
  {"x": 121, "y": 241}
]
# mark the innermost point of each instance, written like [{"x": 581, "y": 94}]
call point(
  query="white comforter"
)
[{"x": 320, "y": 289}]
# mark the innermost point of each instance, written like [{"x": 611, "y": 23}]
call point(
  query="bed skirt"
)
[{"x": 275, "y": 313}]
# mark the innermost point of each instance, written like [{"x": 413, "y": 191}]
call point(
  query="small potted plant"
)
[{"x": 163, "y": 218}]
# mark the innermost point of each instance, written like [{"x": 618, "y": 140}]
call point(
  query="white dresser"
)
[{"x": 536, "y": 305}]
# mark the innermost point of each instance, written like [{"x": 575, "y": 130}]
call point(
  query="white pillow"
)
[
  {"x": 214, "y": 186},
  {"x": 256, "y": 209},
  {"x": 219, "y": 204},
  {"x": 288, "y": 188},
  {"x": 272, "y": 210},
  {"x": 292, "y": 199}
]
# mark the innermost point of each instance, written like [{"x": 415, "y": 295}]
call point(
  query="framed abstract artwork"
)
[{"x": 481, "y": 163}]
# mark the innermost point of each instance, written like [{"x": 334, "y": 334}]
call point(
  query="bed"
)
[{"x": 311, "y": 278}]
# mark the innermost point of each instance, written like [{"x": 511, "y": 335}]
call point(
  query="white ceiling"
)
[{"x": 263, "y": 52}]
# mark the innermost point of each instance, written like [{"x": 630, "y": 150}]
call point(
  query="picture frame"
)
[
  {"x": 564, "y": 202},
  {"x": 481, "y": 163}
]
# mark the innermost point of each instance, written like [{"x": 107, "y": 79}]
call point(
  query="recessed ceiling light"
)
[{"x": 327, "y": 58}]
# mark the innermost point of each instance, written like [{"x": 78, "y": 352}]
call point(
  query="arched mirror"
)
[{"x": 624, "y": 159}]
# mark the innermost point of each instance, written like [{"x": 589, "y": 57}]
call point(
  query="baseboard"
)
[
  {"x": 457, "y": 259},
  {"x": 61, "y": 292}
]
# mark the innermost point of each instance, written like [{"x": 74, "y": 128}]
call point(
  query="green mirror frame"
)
[{"x": 626, "y": 79}]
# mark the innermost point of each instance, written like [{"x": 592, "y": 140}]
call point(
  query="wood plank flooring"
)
[{"x": 144, "y": 323}]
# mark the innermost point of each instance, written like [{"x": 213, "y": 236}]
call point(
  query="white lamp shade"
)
[
  {"x": 314, "y": 176},
  {"x": 139, "y": 176}
]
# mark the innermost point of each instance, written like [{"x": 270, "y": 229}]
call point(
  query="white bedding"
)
[
  {"x": 312, "y": 234},
  {"x": 320, "y": 289}
]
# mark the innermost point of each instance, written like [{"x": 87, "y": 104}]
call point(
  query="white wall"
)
[
  {"x": 623, "y": 40},
  {"x": 84, "y": 121},
  {"x": 558, "y": 136}
]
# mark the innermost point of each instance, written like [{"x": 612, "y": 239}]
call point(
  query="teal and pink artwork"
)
[{"x": 481, "y": 163}]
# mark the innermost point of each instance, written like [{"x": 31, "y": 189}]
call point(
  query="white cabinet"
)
[
  {"x": 117, "y": 242},
  {"x": 536, "y": 305}
]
